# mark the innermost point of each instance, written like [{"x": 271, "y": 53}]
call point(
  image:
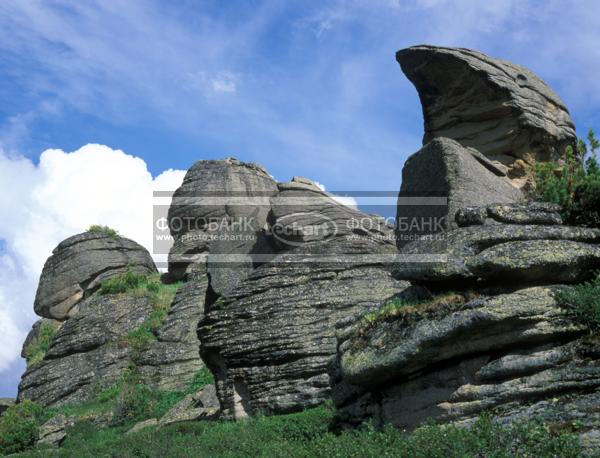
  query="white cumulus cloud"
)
[
  {"x": 42, "y": 204},
  {"x": 344, "y": 200}
]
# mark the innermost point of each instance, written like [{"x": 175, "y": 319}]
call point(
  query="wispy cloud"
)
[{"x": 284, "y": 77}]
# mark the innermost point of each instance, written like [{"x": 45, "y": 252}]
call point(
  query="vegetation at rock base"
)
[
  {"x": 310, "y": 434},
  {"x": 104, "y": 230},
  {"x": 574, "y": 183},
  {"x": 583, "y": 303},
  {"x": 202, "y": 378},
  {"x": 36, "y": 350},
  {"x": 125, "y": 403},
  {"x": 19, "y": 427}
]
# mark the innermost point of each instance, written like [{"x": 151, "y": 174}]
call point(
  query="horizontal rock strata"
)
[{"x": 79, "y": 264}]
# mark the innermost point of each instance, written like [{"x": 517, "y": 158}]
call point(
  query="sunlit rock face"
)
[{"x": 502, "y": 109}]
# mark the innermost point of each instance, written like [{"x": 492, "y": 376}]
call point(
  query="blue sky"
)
[{"x": 303, "y": 87}]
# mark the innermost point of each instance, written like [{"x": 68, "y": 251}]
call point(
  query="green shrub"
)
[
  {"x": 19, "y": 427},
  {"x": 583, "y": 303},
  {"x": 122, "y": 283},
  {"x": 161, "y": 294},
  {"x": 137, "y": 402},
  {"x": 574, "y": 183},
  {"x": 202, "y": 378},
  {"x": 36, "y": 350},
  {"x": 104, "y": 230}
]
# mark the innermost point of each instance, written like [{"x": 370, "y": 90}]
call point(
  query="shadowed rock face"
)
[
  {"x": 270, "y": 340},
  {"x": 501, "y": 109},
  {"x": 456, "y": 176},
  {"x": 215, "y": 198},
  {"x": 79, "y": 264}
]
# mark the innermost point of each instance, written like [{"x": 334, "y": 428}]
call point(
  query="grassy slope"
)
[{"x": 308, "y": 434}]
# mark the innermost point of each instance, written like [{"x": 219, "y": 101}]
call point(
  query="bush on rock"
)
[{"x": 574, "y": 183}]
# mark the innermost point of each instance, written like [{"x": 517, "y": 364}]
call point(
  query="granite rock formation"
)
[
  {"x": 171, "y": 362},
  {"x": 496, "y": 252},
  {"x": 501, "y": 342},
  {"x": 302, "y": 212},
  {"x": 79, "y": 264},
  {"x": 93, "y": 349},
  {"x": 33, "y": 337},
  {"x": 221, "y": 208},
  {"x": 270, "y": 340},
  {"x": 442, "y": 178},
  {"x": 501, "y": 109},
  {"x": 89, "y": 352}
]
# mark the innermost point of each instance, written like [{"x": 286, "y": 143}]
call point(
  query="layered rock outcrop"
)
[
  {"x": 71, "y": 361},
  {"x": 501, "y": 109},
  {"x": 221, "y": 208},
  {"x": 302, "y": 212},
  {"x": 442, "y": 178},
  {"x": 503, "y": 343},
  {"x": 270, "y": 340},
  {"x": 89, "y": 352},
  {"x": 496, "y": 252},
  {"x": 79, "y": 264},
  {"x": 94, "y": 349},
  {"x": 171, "y": 362}
]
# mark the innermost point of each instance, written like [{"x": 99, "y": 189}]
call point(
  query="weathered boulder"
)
[
  {"x": 202, "y": 404},
  {"x": 302, "y": 212},
  {"x": 54, "y": 431},
  {"x": 518, "y": 355},
  {"x": 151, "y": 422},
  {"x": 501, "y": 109},
  {"x": 536, "y": 261},
  {"x": 221, "y": 208},
  {"x": 269, "y": 341},
  {"x": 5, "y": 404},
  {"x": 541, "y": 253},
  {"x": 440, "y": 179},
  {"x": 79, "y": 264},
  {"x": 88, "y": 353}
]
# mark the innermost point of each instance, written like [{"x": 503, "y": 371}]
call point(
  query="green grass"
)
[
  {"x": 310, "y": 434},
  {"x": 415, "y": 310},
  {"x": 202, "y": 378},
  {"x": 35, "y": 351},
  {"x": 583, "y": 303},
  {"x": 161, "y": 296},
  {"x": 104, "y": 230}
]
